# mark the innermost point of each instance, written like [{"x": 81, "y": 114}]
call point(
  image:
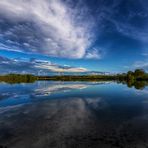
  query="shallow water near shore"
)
[{"x": 48, "y": 114}]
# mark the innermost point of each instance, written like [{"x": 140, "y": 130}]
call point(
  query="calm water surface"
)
[{"x": 73, "y": 115}]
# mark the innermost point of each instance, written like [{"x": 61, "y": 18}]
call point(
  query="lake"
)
[{"x": 48, "y": 114}]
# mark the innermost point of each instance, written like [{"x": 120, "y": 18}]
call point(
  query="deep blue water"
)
[{"x": 73, "y": 114}]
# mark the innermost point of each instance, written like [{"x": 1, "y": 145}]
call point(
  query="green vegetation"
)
[
  {"x": 130, "y": 76},
  {"x": 78, "y": 78},
  {"x": 138, "y": 78},
  {"x": 18, "y": 78}
]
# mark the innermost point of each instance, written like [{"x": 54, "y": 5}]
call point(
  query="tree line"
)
[
  {"x": 18, "y": 78},
  {"x": 131, "y": 77}
]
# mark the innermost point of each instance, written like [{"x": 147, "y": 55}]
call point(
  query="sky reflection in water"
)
[{"x": 54, "y": 114}]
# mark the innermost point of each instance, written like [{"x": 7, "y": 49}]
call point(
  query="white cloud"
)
[
  {"x": 35, "y": 67},
  {"x": 61, "y": 33},
  {"x": 94, "y": 54},
  {"x": 45, "y": 65},
  {"x": 141, "y": 65}
]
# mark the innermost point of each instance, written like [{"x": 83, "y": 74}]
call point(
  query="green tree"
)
[
  {"x": 130, "y": 77},
  {"x": 139, "y": 73}
]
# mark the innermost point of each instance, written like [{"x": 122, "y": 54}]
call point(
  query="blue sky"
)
[{"x": 73, "y": 36}]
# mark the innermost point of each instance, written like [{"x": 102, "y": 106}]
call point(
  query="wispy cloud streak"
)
[
  {"x": 48, "y": 27},
  {"x": 37, "y": 67}
]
